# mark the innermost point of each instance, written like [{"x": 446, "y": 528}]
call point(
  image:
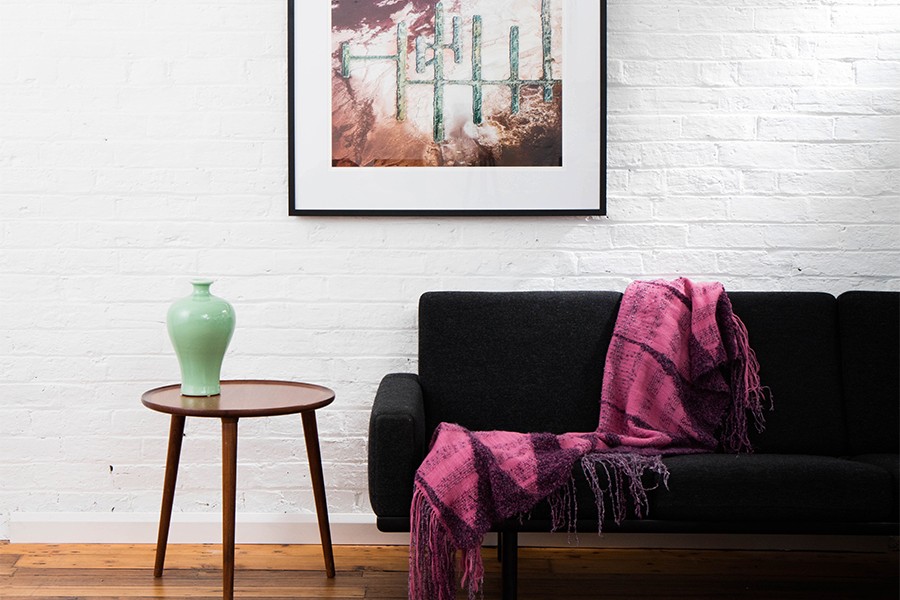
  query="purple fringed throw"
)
[{"x": 680, "y": 378}]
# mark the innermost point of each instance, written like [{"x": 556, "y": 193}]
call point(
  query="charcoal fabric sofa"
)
[{"x": 827, "y": 461}]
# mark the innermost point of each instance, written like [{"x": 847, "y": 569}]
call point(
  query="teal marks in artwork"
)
[
  {"x": 515, "y": 85},
  {"x": 399, "y": 59},
  {"x": 438, "y": 81},
  {"x": 546, "y": 42},
  {"x": 402, "y": 40},
  {"x": 477, "y": 85}
]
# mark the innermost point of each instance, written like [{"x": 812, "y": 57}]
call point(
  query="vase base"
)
[{"x": 201, "y": 393}]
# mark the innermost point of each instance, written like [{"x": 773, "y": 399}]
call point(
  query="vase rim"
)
[{"x": 201, "y": 281}]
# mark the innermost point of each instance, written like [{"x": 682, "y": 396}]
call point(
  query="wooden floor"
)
[{"x": 88, "y": 572}]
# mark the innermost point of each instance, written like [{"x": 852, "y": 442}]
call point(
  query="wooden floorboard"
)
[{"x": 271, "y": 572}]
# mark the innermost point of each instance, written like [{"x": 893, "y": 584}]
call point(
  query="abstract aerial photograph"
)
[{"x": 472, "y": 83}]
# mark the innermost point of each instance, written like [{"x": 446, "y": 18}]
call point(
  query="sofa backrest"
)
[
  {"x": 514, "y": 361},
  {"x": 533, "y": 361},
  {"x": 795, "y": 337},
  {"x": 869, "y": 325}
]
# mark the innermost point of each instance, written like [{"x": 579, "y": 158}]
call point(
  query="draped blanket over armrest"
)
[{"x": 679, "y": 378}]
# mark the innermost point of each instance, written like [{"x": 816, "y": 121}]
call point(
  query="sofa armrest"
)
[{"x": 396, "y": 443}]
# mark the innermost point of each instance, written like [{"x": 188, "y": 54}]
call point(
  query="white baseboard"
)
[
  {"x": 193, "y": 528},
  {"x": 359, "y": 529}
]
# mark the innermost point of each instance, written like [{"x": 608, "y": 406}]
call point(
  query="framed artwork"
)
[{"x": 461, "y": 107}]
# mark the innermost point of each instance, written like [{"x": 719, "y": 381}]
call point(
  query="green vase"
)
[{"x": 200, "y": 327}]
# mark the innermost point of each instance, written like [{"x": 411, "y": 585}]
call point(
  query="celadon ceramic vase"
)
[{"x": 200, "y": 327}]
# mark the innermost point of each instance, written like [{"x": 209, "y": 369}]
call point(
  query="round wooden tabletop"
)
[{"x": 241, "y": 398}]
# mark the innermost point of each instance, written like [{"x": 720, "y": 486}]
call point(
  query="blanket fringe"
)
[
  {"x": 432, "y": 575},
  {"x": 473, "y": 571},
  {"x": 623, "y": 474},
  {"x": 747, "y": 394},
  {"x": 564, "y": 507}
]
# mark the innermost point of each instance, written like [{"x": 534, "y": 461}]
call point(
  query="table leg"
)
[
  {"x": 311, "y": 433},
  {"x": 229, "y": 489},
  {"x": 176, "y": 433}
]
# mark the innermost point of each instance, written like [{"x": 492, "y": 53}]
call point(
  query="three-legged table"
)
[{"x": 240, "y": 399}]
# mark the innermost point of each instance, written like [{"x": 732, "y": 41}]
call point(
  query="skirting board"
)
[{"x": 359, "y": 529}]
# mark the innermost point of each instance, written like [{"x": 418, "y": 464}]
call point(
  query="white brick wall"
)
[{"x": 143, "y": 143}]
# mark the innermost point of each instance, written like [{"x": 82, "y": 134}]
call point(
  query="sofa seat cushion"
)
[
  {"x": 891, "y": 464},
  {"x": 773, "y": 488},
  {"x": 753, "y": 488}
]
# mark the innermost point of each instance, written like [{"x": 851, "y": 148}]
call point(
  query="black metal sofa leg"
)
[{"x": 508, "y": 548}]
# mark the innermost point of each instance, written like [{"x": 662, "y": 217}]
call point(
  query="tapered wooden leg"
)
[
  {"x": 176, "y": 433},
  {"x": 311, "y": 433},
  {"x": 229, "y": 490}
]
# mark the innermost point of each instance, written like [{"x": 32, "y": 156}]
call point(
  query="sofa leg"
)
[{"x": 509, "y": 555}]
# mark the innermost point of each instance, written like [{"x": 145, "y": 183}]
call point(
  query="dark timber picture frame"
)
[{"x": 420, "y": 110}]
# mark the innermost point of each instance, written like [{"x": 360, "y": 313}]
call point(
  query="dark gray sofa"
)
[{"x": 827, "y": 461}]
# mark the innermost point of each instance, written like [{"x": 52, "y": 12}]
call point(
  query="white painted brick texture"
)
[{"x": 144, "y": 143}]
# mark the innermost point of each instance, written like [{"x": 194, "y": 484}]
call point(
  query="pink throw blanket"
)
[{"x": 679, "y": 378}]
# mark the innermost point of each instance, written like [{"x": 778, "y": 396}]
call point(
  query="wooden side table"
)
[{"x": 240, "y": 399}]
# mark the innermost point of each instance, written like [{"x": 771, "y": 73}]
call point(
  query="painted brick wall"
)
[{"x": 143, "y": 143}]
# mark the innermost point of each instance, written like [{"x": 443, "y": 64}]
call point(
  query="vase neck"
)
[{"x": 201, "y": 287}]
